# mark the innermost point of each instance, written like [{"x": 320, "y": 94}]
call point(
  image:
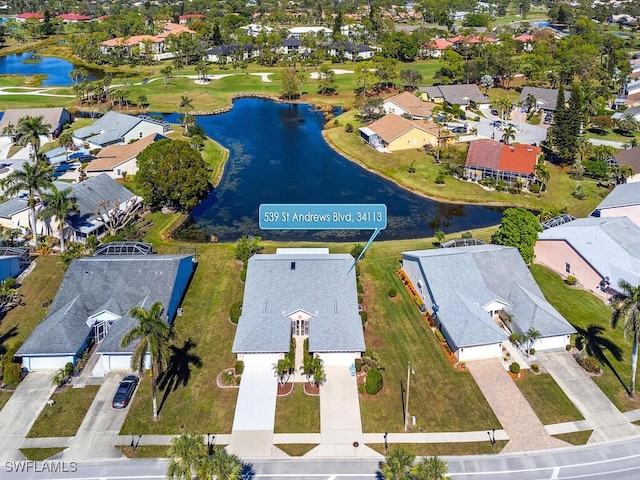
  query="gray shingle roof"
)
[
  {"x": 611, "y": 245},
  {"x": 13, "y": 206},
  {"x": 546, "y": 96},
  {"x": 463, "y": 280},
  {"x": 456, "y": 94},
  {"x": 323, "y": 285},
  {"x": 109, "y": 128},
  {"x": 94, "y": 284},
  {"x": 624, "y": 195}
]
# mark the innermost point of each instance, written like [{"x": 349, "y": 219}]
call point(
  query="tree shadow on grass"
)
[
  {"x": 179, "y": 371},
  {"x": 591, "y": 341},
  {"x": 6, "y": 336}
]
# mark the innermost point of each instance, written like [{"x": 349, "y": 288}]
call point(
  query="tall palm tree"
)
[
  {"x": 152, "y": 332},
  {"x": 627, "y": 312},
  {"x": 590, "y": 341},
  {"x": 35, "y": 178},
  {"x": 508, "y": 134},
  {"x": 185, "y": 104},
  {"x": 186, "y": 454},
  {"x": 65, "y": 140},
  {"x": 397, "y": 464},
  {"x": 543, "y": 174},
  {"x": 532, "y": 335},
  {"x": 224, "y": 465},
  {"x": 58, "y": 204},
  {"x": 9, "y": 131},
  {"x": 430, "y": 468},
  {"x": 30, "y": 128}
]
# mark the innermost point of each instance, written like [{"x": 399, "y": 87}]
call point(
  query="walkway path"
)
[
  {"x": 514, "y": 413},
  {"x": 21, "y": 411},
  {"x": 606, "y": 420}
]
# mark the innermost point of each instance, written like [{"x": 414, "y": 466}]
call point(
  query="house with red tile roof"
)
[
  {"x": 73, "y": 18},
  {"x": 434, "y": 48},
  {"x": 189, "y": 17},
  {"x": 155, "y": 43},
  {"x": 491, "y": 159},
  {"x": 527, "y": 41},
  {"x": 392, "y": 133},
  {"x": 23, "y": 17}
]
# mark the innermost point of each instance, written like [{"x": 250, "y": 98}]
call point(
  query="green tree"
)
[
  {"x": 327, "y": 80},
  {"x": 410, "y": 78},
  {"x": 401, "y": 46},
  {"x": 186, "y": 454},
  {"x": 626, "y": 312},
  {"x": 508, "y": 134},
  {"x": 152, "y": 333},
  {"x": 291, "y": 84},
  {"x": 430, "y": 468},
  {"x": 590, "y": 340},
  {"x": 30, "y": 128},
  {"x": 58, "y": 204},
  {"x": 519, "y": 228},
  {"x": 247, "y": 246},
  {"x": 185, "y": 104},
  {"x": 35, "y": 178},
  {"x": 627, "y": 125},
  {"x": 542, "y": 173},
  {"x": 166, "y": 73},
  {"x": 172, "y": 173},
  {"x": 397, "y": 464},
  {"x": 221, "y": 465},
  {"x": 65, "y": 140},
  {"x": 565, "y": 131}
]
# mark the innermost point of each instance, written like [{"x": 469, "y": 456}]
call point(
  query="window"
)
[{"x": 567, "y": 267}]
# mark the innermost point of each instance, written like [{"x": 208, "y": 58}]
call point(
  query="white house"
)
[
  {"x": 119, "y": 160},
  {"x": 472, "y": 291},
  {"x": 623, "y": 201},
  {"x": 299, "y": 32}
]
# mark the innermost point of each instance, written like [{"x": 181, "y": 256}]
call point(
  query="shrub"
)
[
  {"x": 373, "y": 383},
  {"x": 358, "y": 364},
  {"x": 513, "y": 337},
  {"x": 588, "y": 363},
  {"x": 348, "y": 128},
  {"x": 535, "y": 367},
  {"x": 571, "y": 280},
  {"x": 535, "y": 188},
  {"x": 364, "y": 317},
  {"x": 440, "y": 179},
  {"x": 243, "y": 275},
  {"x": 227, "y": 377},
  {"x": 360, "y": 297},
  {"x": 392, "y": 292},
  {"x": 467, "y": 235},
  {"x": 234, "y": 312},
  {"x": 514, "y": 367},
  {"x": 11, "y": 369},
  {"x": 439, "y": 336},
  {"x": 239, "y": 367},
  {"x": 568, "y": 347},
  {"x": 532, "y": 351},
  {"x": 359, "y": 286},
  {"x": 418, "y": 300}
]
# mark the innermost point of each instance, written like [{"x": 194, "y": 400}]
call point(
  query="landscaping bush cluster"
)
[
  {"x": 588, "y": 363},
  {"x": 514, "y": 368},
  {"x": 439, "y": 335},
  {"x": 239, "y": 368},
  {"x": 392, "y": 292},
  {"x": 234, "y": 312},
  {"x": 571, "y": 280},
  {"x": 373, "y": 383},
  {"x": 11, "y": 370}
]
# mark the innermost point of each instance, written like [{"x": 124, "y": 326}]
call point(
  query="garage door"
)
[
  {"x": 45, "y": 363},
  {"x": 116, "y": 362},
  {"x": 338, "y": 359}
]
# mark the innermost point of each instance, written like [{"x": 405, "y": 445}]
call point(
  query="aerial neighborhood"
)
[{"x": 153, "y": 306}]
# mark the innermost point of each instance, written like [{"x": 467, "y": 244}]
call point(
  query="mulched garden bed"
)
[
  {"x": 284, "y": 390},
  {"x": 311, "y": 390}
]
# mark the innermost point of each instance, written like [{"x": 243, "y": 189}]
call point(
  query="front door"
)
[
  {"x": 100, "y": 331},
  {"x": 300, "y": 327}
]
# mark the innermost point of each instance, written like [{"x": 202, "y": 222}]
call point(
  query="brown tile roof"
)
[
  {"x": 629, "y": 158},
  {"x": 393, "y": 126},
  {"x": 519, "y": 158},
  {"x": 412, "y": 104},
  {"x": 114, "y": 155}
]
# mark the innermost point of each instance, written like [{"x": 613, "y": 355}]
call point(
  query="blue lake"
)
[
  {"x": 56, "y": 69},
  {"x": 278, "y": 155}
]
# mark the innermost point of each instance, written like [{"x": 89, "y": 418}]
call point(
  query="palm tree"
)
[
  {"x": 185, "y": 104},
  {"x": 508, "y": 134},
  {"x": 543, "y": 174},
  {"x": 35, "y": 178},
  {"x": 30, "y": 128},
  {"x": 430, "y": 468},
  {"x": 58, "y": 204},
  {"x": 397, "y": 464},
  {"x": 153, "y": 332},
  {"x": 142, "y": 100},
  {"x": 590, "y": 341},
  {"x": 532, "y": 335},
  {"x": 9, "y": 131},
  {"x": 66, "y": 140},
  {"x": 224, "y": 465},
  {"x": 627, "y": 312},
  {"x": 186, "y": 454}
]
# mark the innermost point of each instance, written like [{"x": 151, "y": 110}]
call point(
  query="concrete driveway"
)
[
  {"x": 101, "y": 426},
  {"x": 525, "y": 133},
  {"x": 21, "y": 411}
]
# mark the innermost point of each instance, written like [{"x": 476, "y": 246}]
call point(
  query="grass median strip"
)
[
  {"x": 40, "y": 454},
  {"x": 305, "y": 409}
]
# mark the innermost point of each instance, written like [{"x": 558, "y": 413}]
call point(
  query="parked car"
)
[
  {"x": 125, "y": 391},
  {"x": 459, "y": 130},
  {"x": 494, "y": 112},
  {"x": 497, "y": 124},
  {"x": 547, "y": 119}
]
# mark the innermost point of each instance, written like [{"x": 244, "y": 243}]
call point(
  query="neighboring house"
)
[
  {"x": 623, "y": 201},
  {"x": 120, "y": 160},
  {"x": 253, "y": 30},
  {"x": 599, "y": 252},
  {"x": 13, "y": 261},
  {"x": 406, "y": 103},
  {"x": 89, "y": 195},
  {"x": 393, "y": 133},
  {"x": 231, "y": 53},
  {"x": 292, "y": 46},
  {"x": 629, "y": 95},
  {"x": 350, "y": 51},
  {"x": 73, "y": 18},
  {"x": 56, "y": 117},
  {"x": 526, "y": 40},
  {"x": 491, "y": 159},
  {"x": 455, "y": 94},
  {"x": 354, "y": 30},
  {"x": 629, "y": 158},
  {"x": 300, "y": 293},
  {"x": 435, "y": 48},
  {"x": 472, "y": 40},
  {"x": 546, "y": 98},
  {"x": 118, "y": 128},
  {"x": 93, "y": 303},
  {"x": 190, "y": 17},
  {"x": 633, "y": 112},
  {"x": 299, "y": 32},
  {"x": 153, "y": 44},
  {"x": 14, "y": 213},
  {"x": 23, "y": 17},
  {"x": 471, "y": 292}
]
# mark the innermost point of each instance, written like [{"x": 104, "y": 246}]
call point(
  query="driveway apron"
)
[
  {"x": 21, "y": 411},
  {"x": 514, "y": 413},
  {"x": 606, "y": 420}
]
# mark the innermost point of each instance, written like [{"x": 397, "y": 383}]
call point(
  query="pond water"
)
[
  {"x": 56, "y": 69},
  {"x": 278, "y": 155}
]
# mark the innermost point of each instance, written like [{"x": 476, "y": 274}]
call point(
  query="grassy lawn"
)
[
  {"x": 438, "y": 449},
  {"x": 297, "y": 449},
  {"x": 39, "y": 287},
  {"x": 547, "y": 399},
  {"x": 196, "y": 402},
  {"x": 40, "y": 454},
  {"x": 613, "y": 136},
  {"x": 145, "y": 451},
  {"x": 582, "y": 308},
  {"x": 575, "y": 438},
  {"x": 64, "y": 417},
  {"x": 442, "y": 399},
  {"x": 297, "y": 412},
  {"x": 395, "y": 167},
  {"x": 4, "y": 398}
]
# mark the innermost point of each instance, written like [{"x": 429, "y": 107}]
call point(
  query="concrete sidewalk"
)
[
  {"x": 604, "y": 418},
  {"x": 514, "y": 413}
]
